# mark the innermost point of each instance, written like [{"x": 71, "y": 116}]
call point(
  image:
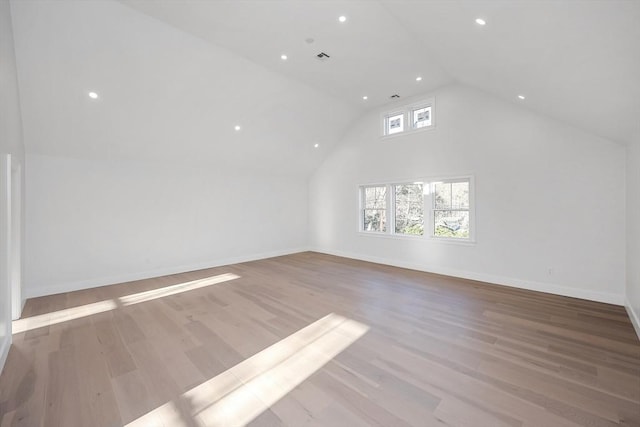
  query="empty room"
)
[{"x": 392, "y": 213}]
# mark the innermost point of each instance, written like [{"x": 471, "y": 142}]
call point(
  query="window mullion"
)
[{"x": 391, "y": 209}]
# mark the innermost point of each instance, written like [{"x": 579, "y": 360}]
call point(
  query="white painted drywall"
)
[
  {"x": 633, "y": 234},
  {"x": 163, "y": 94},
  {"x": 151, "y": 178},
  {"x": 10, "y": 144},
  {"x": 100, "y": 222},
  {"x": 548, "y": 196}
]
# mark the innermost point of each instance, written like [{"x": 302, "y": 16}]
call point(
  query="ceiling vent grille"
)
[{"x": 322, "y": 56}]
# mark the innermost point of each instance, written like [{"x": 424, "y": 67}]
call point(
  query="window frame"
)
[
  {"x": 392, "y": 188},
  {"x": 388, "y": 117},
  {"x": 428, "y": 210},
  {"x": 432, "y": 209},
  {"x": 363, "y": 208},
  {"x": 417, "y": 108},
  {"x": 407, "y": 112}
]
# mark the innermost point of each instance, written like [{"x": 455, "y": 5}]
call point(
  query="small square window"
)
[
  {"x": 394, "y": 124},
  {"x": 409, "y": 118},
  {"x": 421, "y": 117}
]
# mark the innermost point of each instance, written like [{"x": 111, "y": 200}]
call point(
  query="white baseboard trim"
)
[
  {"x": 4, "y": 351},
  {"x": 34, "y": 291},
  {"x": 606, "y": 297},
  {"x": 23, "y": 301},
  {"x": 635, "y": 318}
]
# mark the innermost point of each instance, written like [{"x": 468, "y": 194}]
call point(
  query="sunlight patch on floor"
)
[
  {"x": 241, "y": 393},
  {"x": 60, "y": 316}
]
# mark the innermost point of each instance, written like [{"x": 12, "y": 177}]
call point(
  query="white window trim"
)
[
  {"x": 387, "y": 116},
  {"x": 361, "y": 208},
  {"x": 393, "y": 210},
  {"x": 428, "y": 211},
  {"x": 406, "y": 111},
  {"x": 471, "y": 210}
]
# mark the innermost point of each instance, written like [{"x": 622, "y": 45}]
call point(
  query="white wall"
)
[
  {"x": 164, "y": 94},
  {"x": 10, "y": 143},
  {"x": 633, "y": 234},
  {"x": 152, "y": 178},
  {"x": 101, "y": 222},
  {"x": 547, "y": 196}
]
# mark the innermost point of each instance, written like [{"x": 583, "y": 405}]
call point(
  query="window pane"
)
[
  {"x": 460, "y": 195},
  {"x": 375, "y": 209},
  {"x": 442, "y": 195},
  {"x": 395, "y": 124},
  {"x": 375, "y": 197},
  {"x": 451, "y": 195},
  {"x": 451, "y": 224},
  {"x": 375, "y": 220},
  {"x": 409, "y": 209},
  {"x": 421, "y": 117}
]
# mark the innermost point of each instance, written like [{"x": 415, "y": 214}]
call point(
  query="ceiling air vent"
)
[
  {"x": 394, "y": 96},
  {"x": 322, "y": 56}
]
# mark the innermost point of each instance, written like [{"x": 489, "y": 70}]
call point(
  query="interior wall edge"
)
[
  {"x": 604, "y": 297},
  {"x": 635, "y": 318},
  {"x": 4, "y": 351},
  {"x": 38, "y": 290}
]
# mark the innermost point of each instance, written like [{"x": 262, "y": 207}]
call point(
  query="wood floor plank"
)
[
  {"x": 435, "y": 351},
  {"x": 62, "y": 397},
  {"x": 118, "y": 358},
  {"x": 132, "y": 395},
  {"x": 458, "y": 413},
  {"x": 152, "y": 368}
]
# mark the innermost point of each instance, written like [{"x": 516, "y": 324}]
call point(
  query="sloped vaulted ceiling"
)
[
  {"x": 175, "y": 77},
  {"x": 163, "y": 94},
  {"x": 576, "y": 61}
]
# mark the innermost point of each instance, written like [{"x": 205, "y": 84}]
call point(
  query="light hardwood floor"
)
[{"x": 398, "y": 348}]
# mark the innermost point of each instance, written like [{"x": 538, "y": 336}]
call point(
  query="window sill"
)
[
  {"x": 407, "y": 132},
  {"x": 390, "y": 236},
  {"x": 463, "y": 242},
  {"x": 429, "y": 239}
]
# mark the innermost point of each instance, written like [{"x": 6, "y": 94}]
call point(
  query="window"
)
[
  {"x": 394, "y": 124},
  {"x": 421, "y": 117},
  {"x": 374, "y": 209},
  {"x": 450, "y": 205},
  {"x": 409, "y": 119},
  {"x": 409, "y": 209},
  {"x": 445, "y": 206}
]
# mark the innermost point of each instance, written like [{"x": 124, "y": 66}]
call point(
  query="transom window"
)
[
  {"x": 394, "y": 124},
  {"x": 436, "y": 209},
  {"x": 421, "y": 117},
  {"x": 409, "y": 118}
]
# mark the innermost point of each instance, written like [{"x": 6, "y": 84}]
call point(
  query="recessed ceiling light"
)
[
  {"x": 480, "y": 21},
  {"x": 316, "y": 145},
  {"x": 521, "y": 96},
  {"x": 283, "y": 57},
  {"x": 418, "y": 79},
  {"x": 93, "y": 95},
  {"x": 365, "y": 97},
  {"x": 342, "y": 19},
  {"x": 237, "y": 127}
]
